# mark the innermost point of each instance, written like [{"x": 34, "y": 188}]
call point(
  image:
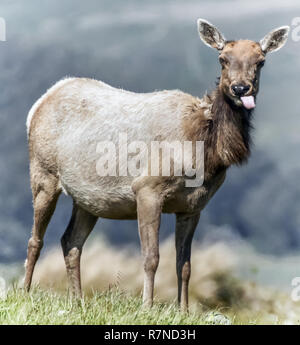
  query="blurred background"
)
[{"x": 143, "y": 46}]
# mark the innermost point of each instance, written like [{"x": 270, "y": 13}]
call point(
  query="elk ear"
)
[
  {"x": 275, "y": 39},
  {"x": 210, "y": 35}
]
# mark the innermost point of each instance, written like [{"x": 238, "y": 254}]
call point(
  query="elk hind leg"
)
[
  {"x": 78, "y": 230},
  {"x": 45, "y": 192}
]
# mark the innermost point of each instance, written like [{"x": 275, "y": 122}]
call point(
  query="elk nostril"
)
[
  {"x": 239, "y": 89},
  {"x": 246, "y": 88}
]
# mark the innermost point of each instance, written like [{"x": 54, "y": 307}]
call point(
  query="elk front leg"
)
[
  {"x": 149, "y": 211},
  {"x": 185, "y": 228}
]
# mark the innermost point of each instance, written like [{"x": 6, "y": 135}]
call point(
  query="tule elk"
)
[{"x": 67, "y": 123}]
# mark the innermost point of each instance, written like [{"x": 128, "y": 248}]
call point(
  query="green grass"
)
[{"x": 111, "y": 307}]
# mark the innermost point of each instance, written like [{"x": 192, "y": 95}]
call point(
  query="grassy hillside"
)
[
  {"x": 112, "y": 307},
  {"x": 112, "y": 284}
]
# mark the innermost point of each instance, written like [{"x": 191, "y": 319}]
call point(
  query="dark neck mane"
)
[
  {"x": 224, "y": 128},
  {"x": 230, "y": 128}
]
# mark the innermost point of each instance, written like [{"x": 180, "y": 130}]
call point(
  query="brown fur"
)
[
  {"x": 225, "y": 131},
  {"x": 241, "y": 62}
]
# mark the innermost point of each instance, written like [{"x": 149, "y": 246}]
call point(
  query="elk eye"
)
[
  {"x": 223, "y": 62},
  {"x": 260, "y": 64}
]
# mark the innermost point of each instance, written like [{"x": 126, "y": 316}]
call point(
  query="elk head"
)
[{"x": 241, "y": 61}]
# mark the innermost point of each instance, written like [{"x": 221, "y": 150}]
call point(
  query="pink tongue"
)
[{"x": 248, "y": 102}]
